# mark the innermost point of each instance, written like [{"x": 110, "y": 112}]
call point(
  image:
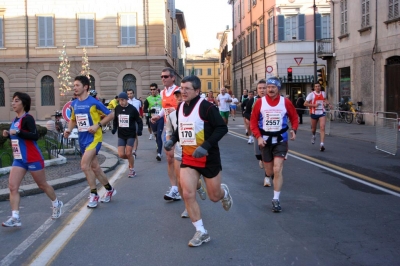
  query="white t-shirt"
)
[
  {"x": 234, "y": 101},
  {"x": 135, "y": 102},
  {"x": 223, "y": 104}
]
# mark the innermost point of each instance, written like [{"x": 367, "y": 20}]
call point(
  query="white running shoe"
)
[
  {"x": 107, "y": 196},
  {"x": 185, "y": 214},
  {"x": 93, "y": 200},
  {"x": 267, "y": 181},
  {"x": 151, "y": 136},
  {"x": 172, "y": 195},
  {"x": 12, "y": 222},
  {"x": 57, "y": 210},
  {"x": 199, "y": 238}
]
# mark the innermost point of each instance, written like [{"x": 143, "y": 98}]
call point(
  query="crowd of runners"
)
[{"x": 186, "y": 127}]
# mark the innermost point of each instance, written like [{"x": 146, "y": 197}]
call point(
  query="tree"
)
[
  {"x": 64, "y": 78},
  {"x": 85, "y": 65}
]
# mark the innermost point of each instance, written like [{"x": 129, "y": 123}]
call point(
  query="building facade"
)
[
  {"x": 225, "y": 58},
  {"x": 206, "y": 67},
  {"x": 128, "y": 44},
  {"x": 271, "y": 36},
  {"x": 364, "y": 55}
]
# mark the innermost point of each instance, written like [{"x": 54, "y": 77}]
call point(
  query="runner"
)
[
  {"x": 154, "y": 108},
  {"x": 138, "y": 105},
  {"x": 86, "y": 113},
  {"x": 169, "y": 129},
  {"x": 233, "y": 106},
  {"x": 126, "y": 117},
  {"x": 23, "y": 135},
  {"x": 223, "y": 100},
  {"x": 200, "y": 127},
  {"x": 247, "y": 114},
  {"x": 147, "y": 115},
  {"x": 243, "y": 101},
  {"x": 210, "y": 97},
  {"x": 269, "y": 124},
  {"x": 316, "y": 100},
  {"x": 169, "y": 105}
]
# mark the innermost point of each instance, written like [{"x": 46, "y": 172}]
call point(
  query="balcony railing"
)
[{"x": 325, "y": 47}]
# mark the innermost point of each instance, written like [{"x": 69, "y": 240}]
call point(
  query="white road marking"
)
[{"x": 47, "y": 254}]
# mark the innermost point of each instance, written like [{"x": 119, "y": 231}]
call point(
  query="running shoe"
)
[
  {"x": 57, "y": 211},
  {"x": 312, "y": 139},
  {"x": 267, "y": 181},
  {"x": 131, "y": 173},
  {"x": 249, "y": 141},
  {"x": 185, "y": 214},
  {"x": 134, "y": 155},
  {"x": 199, "y": 238},
  {"x": 158, "y": 157},
  {"x": 93, "y": 200},
  {"x": 151, "y": 136},
  {"x": 322, "y": 148},
  {"x": 108, "y": 195},
  {"x": 172, "y": 195},
  {"x": 233, "y": 119},
  {"x": 227, "y": 201},
  {"x": 276, "y": 206},
  {"x": 12, "y": 222},
  {"x": 201, "y": 191},
  {"x": 261, "y": 164}
]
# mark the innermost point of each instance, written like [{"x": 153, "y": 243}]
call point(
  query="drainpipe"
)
[
  {"x": 27, "y": 33},
  {"x": 251, "y": 44},
  {"x": 265, "y": 54},
  {"x": 374, "y": 51},
  {"x": 145, "y": 22},
  {"x": 234, "y": 63}
]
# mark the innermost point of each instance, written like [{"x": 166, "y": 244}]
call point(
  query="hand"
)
[
  {"x": 261, "y": 142},
  {"x": 6, "y": 133},
  {"x": 168, "y": 145},
  {"x": 139, "y": 133},
  {"x": 292, "y": 135},
  {"x": 67, "y": 133},
  {"x": 12, "y": 132},
  {"x": 199, "y": 152},
  {"x": 154, "y": 118},
  {"x": 113, "y": 131}
]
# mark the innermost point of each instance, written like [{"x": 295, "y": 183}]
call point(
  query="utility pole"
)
[{"x": 315, "y": 47}]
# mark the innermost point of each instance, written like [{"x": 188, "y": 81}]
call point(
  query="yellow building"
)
[
  {"x": 128, "y": 43},
  {"x": 206, "y": 67}
]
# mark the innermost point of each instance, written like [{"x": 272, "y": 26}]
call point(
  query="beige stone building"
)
[
  {"x": 128, "y": 43},
  {"x": 206, "y": 67},
  {"x": 363, "y": 56},
  {"x": 225, "y": 58}
]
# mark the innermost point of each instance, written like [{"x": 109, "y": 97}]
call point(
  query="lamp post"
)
[{"x": 315, "y": 46}]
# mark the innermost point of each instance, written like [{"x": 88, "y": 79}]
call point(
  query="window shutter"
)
[
  {"x": 318, "y": 30},
  {"x": 302, "y": 34},
  {"x": 90, "y": 31},
  {"x": 42, "y": 31},
  {"x": 132, "y": 29},
  {"x": 49, "y": 32},
  {"x": 262, "y": 34},
  {"x": 281, "y": 27},
  {"x": 1, "y": 33},
  {"x": 124, "y": 29},
  {"x": 174, "y": 47}
]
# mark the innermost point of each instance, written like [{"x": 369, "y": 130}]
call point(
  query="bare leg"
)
[
  {"x": 40, "y": 179},
  {"x": 14, "y": 181}
]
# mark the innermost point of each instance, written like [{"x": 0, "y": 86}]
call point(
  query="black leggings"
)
[{"x": 157, "y": 129}]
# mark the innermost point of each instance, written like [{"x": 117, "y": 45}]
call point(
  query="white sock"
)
[
  {"x": 174, "y": 188},
  {"x": 199, "y": 226},
  {"x": 55, "y": 203},
  {"x": 276, "y": 195},
  {"x": 15, "y": 214},
  {"x": 322, "y": 144}
]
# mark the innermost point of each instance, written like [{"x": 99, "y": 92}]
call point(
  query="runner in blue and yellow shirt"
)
[{"x": 86, "y": 115}]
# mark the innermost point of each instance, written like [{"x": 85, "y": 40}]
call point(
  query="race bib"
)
[
  {"x": 187, "y": 135},
  {"x": 319, "y": 110},
  {"x": 123, "y": 120},
  {"x": 272, "y": 121},
  {"x": 16, "y": 149},
  {"x": 82, "y": 121},
  {"x": 156, "y": 109}
]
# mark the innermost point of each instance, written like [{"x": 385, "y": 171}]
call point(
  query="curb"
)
[{"x": 108, "y": 165}]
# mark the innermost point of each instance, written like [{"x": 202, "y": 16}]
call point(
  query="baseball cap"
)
[{"x": 123, "y": 95}]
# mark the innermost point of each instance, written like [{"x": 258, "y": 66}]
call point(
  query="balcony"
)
[{"x": 325, "y": 48}]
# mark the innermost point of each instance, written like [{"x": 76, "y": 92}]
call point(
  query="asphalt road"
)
[{"x": 327, "y": 218}]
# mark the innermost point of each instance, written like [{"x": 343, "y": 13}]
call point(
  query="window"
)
[
  {"x": 291, "y": 27},
  {"x": 323, "y": 26},
  {"x": 2, "y": 93},
  {"x": 1, "y": 33},
  {"x": 393, "y": 9},
  {"x": 365, "y": 13},
  {"x": 198, "y": 72},
  {"x": 47, "y": 91},
  {"x": 128, "y": 29},
  {"x": 219, "y": 84},
  {"x": 242, "y": 8},
  {"x": 254, "y": 40},
  {"x": 248, "y": 44},
  {"x": 45, "y": 31},
  {"x": 271, "y": 26},
  {"x": 209, "y": 85},
  {"x": 129, "y": 82},
  {"x": 343, "y": 17},
  {"x": 188, "y": 72},
  {"x": 209, "y": 71},
  {"x": 86, "y": 29},
  {"x": 219, "y": 71},
  {"x": 254, "y": 2},
  {"x": 248, "y": 5},
  {"x": 262, "y": 43}
]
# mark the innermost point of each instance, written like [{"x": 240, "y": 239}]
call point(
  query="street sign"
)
[
  {"x": 298, "y": 60},
  {"x": 66, "y": 111},
  {"x": 269, "y": 69}
]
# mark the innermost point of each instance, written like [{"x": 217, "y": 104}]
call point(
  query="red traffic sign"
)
[
  {"x": 298, "y": 60},
  {"x": 269, "y": 69},
  {"x": 66, "y": 111}
]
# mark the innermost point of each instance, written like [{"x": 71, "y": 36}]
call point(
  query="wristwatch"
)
[
  {"x": 17, "y": 131},
  {"x": 100, "y": 125}
]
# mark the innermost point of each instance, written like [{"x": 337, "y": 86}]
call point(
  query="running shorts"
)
[{"x": 268, "y": 152}]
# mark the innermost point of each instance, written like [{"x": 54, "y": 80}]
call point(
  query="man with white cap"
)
[{"x": 269, "y": 124}]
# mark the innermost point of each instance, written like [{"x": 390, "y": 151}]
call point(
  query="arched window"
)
[
  {"x": 47, "y": 91},
  {"x": 129, "y": 82},
  {"x": 92, "y": 83},
  {"x": 2, "y": 95}
]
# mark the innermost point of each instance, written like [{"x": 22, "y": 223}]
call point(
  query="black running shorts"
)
[{"x": 275, "y": 150}]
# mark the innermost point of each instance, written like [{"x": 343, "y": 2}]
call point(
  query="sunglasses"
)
[
  {"x": 152, "y": 89},
  {"x": 165, "y": 76}
]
